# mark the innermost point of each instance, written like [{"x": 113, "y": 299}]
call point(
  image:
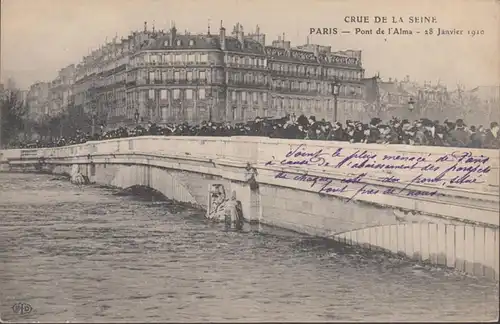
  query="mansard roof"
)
[
  {"x": 182, "y": 42},
  {"x": 249, "y": 46},
  {"x": 187, "y": 42}
]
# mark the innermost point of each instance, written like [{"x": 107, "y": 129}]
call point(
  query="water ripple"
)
[{"x": 88, "y": 254}]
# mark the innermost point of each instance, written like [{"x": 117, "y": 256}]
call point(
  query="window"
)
[
  {"x": 176, "y": 93},
  {"x": 151, "y": 77},
  {"x": 176, "y": 76},
  {"x": 189, "y": 94},
  {"x": 264, "y": 97},
  {"x": 233, "y": 96},
  {"x": 179, "y": 43},
  {"x": 191, "y": 42},
  {"x": 191, "y": 58},
  {"x": 165, "y": 43},
  {"x": 201, "y": 94},
  {"x": 189, "y": 75},
  {"x": 254, "y": 97},
  {"x": 154, "y": 58},
  {"x": 151, "y": 94},
  {"x": 202, "y": 75},
  {"x": 164, "y": 75},
  {"x": 146, "y": 58},
  {"x": 204, "y": 58},
  {"x": 163, "y": 94}
]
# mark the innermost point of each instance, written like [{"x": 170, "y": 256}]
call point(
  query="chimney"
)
[
  {"x": 222, "y": 36},
  {"x": 316, "y": 50},
  {"x": 145, "y": 26},
  {"x": 257, "y": 30},
  {"x": 240, "y": 34},
  {"x": 173, "y": 34}
]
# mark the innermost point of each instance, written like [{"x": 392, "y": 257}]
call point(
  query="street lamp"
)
[
  {"x": 335, "y": 92},
  {"x": 136, "y": 116},
  {"x": 411, "y": 104},
  {"x": 211, "y": 105},
  {"x": 210, "y": 108},
  {"x": 93, "y": 122}
]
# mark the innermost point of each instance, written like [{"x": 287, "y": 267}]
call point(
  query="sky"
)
[{"x": 39, "y": 37}]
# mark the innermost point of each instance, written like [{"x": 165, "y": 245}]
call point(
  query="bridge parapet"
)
[{"x": 470, "y": 170}]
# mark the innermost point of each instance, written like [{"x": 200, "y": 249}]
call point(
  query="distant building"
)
[
  {"x": 61, "y": 91},
  {"x": 37, "y": 100},
  {"x": 164, "y": 77},
  {"x": 3, "y": 92},
  {"x": 405, "y": 98}
]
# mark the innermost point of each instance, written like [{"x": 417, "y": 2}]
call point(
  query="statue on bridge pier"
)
[
  {"x": 77, "y": 177},
  {"x": 221, "y": 209}
]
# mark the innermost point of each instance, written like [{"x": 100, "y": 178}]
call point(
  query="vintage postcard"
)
[{"x": 249, "y": 161}]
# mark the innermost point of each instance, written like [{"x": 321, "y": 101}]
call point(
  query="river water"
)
[{"x": 87, "y": 254}]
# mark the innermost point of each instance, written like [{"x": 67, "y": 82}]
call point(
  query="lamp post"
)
[
  {"x": 61, "y": 125},
  {"x": 211, "y": 92},
  {"x": 210, "y": 108},
  {"x": 93, "y": 122},
  {"x": 136, "y": 116},
  {"x": 335, "y": 92},
  {"x": 411, "y": 104}
]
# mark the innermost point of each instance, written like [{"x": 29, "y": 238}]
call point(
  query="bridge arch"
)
[
  {"x": 159, "y": 179},
  {"x": 467, "y": 248}
]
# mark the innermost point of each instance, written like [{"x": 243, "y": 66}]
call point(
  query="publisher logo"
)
[{"x": 22, "y": 308}]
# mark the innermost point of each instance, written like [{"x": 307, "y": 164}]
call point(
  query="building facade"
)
[
  {"x": 166, "y": 76},
  {"x": 61, "y": 91},
  {"x": 37, "y": 100}
]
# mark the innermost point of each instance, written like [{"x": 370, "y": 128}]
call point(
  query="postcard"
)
[{"x": 249, "y": 160}]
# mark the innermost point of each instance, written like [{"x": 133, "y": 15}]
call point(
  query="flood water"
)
[{"x": 86, "y": 254}]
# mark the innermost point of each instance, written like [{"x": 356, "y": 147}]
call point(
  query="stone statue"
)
[
  {"x": 225, "y": 210},
  {"x": 216, "y": 202},
  {"x": 77, "y": 177}
]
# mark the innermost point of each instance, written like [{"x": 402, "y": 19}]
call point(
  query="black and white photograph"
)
[{"x": 249, "y": 161}]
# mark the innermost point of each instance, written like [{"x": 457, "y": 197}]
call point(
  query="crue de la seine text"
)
[{"x": 390, "y": 19}]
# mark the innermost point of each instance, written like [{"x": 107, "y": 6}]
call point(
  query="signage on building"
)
[
  {"x": 336, "y": 59},
  {"x": 306, "y": 56},
  {"x": 309, "y": 56},
  {"x": 275, "y": 52}
]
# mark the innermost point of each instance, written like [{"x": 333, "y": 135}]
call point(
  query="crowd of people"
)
[{"x": 396, "y": 131}]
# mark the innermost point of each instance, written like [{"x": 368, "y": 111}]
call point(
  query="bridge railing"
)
[{"x": 280, "y": 154}]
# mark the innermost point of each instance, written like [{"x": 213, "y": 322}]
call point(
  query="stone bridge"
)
[{"x": 435, "y": 204}]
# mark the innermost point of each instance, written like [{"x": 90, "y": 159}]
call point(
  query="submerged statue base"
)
[
  {"x": 221, "y": 209},
  {"x": 77, "y": 177}
]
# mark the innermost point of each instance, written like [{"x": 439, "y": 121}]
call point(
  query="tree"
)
[{"x": 12, "y": 114}]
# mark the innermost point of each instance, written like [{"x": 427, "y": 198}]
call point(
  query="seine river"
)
[{"x": 91, "y": 255}]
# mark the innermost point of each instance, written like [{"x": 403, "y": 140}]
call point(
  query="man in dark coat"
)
[
  {"x": 491, "y": 139},
  {"x": 459, "y": 137}
]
